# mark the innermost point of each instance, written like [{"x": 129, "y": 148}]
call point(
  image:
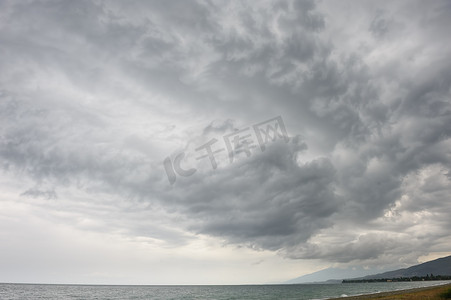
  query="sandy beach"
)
[{"x": 429, "y": 293}]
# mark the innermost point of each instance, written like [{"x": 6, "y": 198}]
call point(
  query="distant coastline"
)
[{"x": 400, "y": 279}]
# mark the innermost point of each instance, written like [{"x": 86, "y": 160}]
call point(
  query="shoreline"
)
[{"x": 411, "y": 293}]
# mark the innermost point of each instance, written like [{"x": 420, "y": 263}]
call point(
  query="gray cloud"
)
[
  {"x": 95, "y": 95},
  {"x": 267, "y": 201}
]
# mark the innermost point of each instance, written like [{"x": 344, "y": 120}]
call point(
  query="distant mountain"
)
[
  {"x": 440, "y": 266},
  {"x": 330, "y": 275}
]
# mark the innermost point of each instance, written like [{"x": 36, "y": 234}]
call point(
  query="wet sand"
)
[{"x": 429, "y": 293}]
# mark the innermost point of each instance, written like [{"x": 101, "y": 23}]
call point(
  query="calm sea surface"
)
[{"x": 301, "y": 291}]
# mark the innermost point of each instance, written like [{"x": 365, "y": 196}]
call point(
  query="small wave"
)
[{"x": 343, "y": 295}]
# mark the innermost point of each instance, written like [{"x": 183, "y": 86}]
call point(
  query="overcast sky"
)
[{"x": 220, "y": 142}]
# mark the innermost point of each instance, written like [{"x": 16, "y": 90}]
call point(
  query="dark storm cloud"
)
[
  {"x": 94, "y": 96},
  {"x": 267, "y": 201}
]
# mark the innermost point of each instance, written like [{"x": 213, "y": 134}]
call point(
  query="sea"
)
[{"x": 219, "y": 292}]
